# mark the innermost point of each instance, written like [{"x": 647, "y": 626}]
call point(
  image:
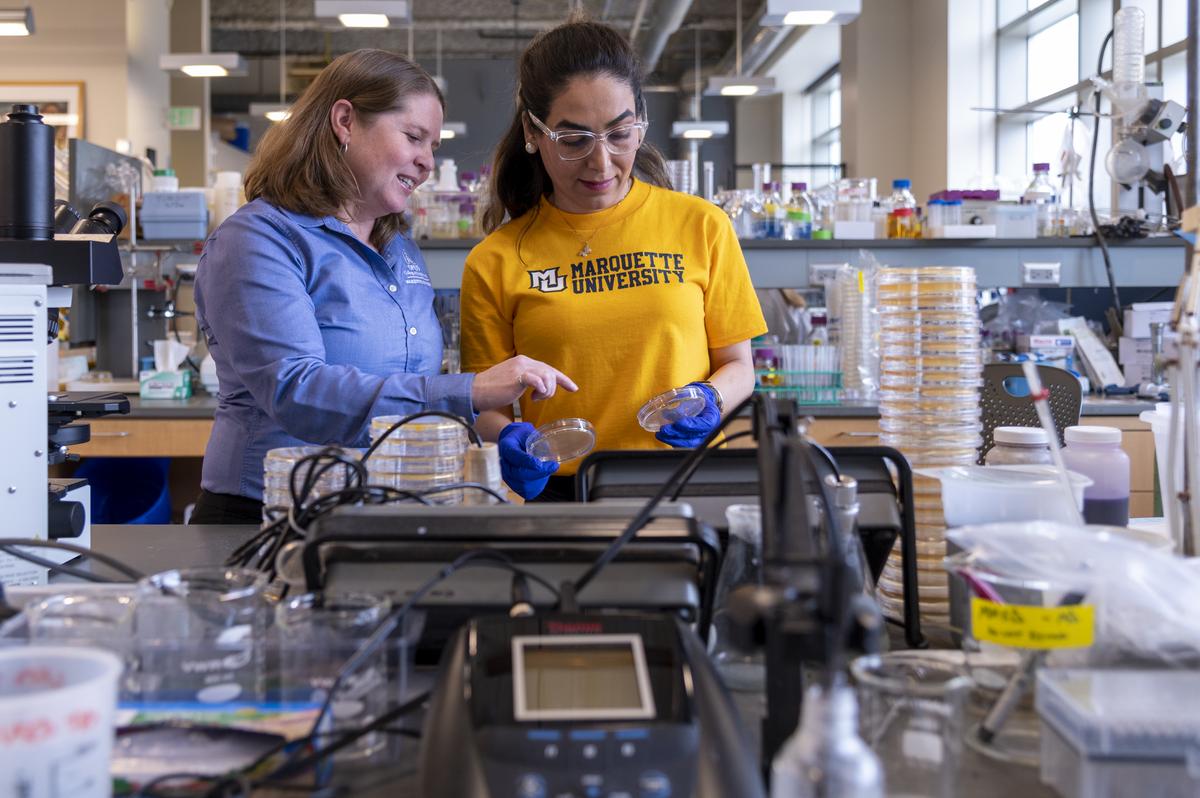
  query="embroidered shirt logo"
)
[
  {"x": 413, "y": 273},
  {"x": 548, "y": 281}
]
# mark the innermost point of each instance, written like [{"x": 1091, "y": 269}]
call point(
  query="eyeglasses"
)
[{"x": 574, "y": 145}]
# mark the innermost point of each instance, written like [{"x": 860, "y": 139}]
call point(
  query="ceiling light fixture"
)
[
  {"x": 810, "y": 12},
  {"x": 699, "y": 130},
  {"x": 364, "y": 13},
  {"x": 453, "y": 130},
  {"x": 277, "y": 112},
  {"x": 739, "y": 85},
  {"x": 204, "y": 65},
  {"x": 16, "y": 21}
]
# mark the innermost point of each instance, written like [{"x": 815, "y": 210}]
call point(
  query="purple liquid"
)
[{"x": 1108, "y": 512}]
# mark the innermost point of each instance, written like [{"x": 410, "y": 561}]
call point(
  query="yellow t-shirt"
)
[{"x": 664, "y": 282}]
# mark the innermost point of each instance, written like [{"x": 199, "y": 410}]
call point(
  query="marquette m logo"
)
[{"x": 548, "y": 281}]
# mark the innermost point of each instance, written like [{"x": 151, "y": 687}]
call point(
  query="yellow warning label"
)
[{"x": 1020, "y": 626}]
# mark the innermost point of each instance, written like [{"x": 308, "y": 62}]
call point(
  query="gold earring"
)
[{"x": 530, "y": 147}]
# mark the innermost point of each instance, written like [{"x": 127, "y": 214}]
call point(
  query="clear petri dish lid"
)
[
  {"x": 422, "y": 428},
  {"x": 925, "y": 274},
  {"x": 562, "y": 440},
  {"x": 415, "y": 465},
  {"x": 670, "y": 406}
]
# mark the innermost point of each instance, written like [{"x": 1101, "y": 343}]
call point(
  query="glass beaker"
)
[
  {"x": 317, "y": 636},
  {"x": 201, "y": 634},
  {"x": 102, "y": 620},
  {"x": 911, "y": 714},
  {"x": 741, "y": 565}
]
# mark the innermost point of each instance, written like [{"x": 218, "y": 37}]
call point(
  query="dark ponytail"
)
[{"x": 577, "y": 47}]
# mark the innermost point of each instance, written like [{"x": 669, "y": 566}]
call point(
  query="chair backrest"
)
[{"x": 1005, "y": 402}]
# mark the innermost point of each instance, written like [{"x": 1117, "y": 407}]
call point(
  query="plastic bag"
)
[
  {"x": 1145, "y": 599},
  {"x": 853, "y": 305}
]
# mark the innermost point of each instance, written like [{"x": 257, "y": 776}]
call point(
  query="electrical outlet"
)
[
  {"x": 1040, "y": 273},
  {"x": 822, "y": 273}
]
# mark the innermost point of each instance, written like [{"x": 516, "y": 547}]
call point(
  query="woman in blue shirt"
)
[{"x": 315, "y": 303}]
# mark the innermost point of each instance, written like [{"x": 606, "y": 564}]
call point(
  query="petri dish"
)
[
  {"x": 562, "y": 440},
  {"x": 670, "y": 406}
]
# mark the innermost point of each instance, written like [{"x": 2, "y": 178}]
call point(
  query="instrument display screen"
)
[{"x": 580, "y": 677}]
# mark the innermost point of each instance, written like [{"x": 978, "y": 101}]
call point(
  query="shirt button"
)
[
  {"x": 412, "y": 330},
  {"x": 393, "y": 288}
]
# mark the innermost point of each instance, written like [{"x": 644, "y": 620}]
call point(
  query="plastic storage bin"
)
[
  {"x": 1117, "y": 733},
  {"x": 174, "y": 215}
]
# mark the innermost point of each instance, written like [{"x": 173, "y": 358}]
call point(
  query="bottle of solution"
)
[
  {"x": 826, "y": 757},
  {"x": 1044, "y": 195},
  {"x": 902, "y": 211},
  {"x": 799, "y": 224},
  {"x": 1019, "y": 446},
  {"x": 1096, "y": 453}
]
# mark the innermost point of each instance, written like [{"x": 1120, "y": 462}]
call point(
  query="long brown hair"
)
[
  {"x": 299, "y": 165},
  {"x": 577, "y": 47}
]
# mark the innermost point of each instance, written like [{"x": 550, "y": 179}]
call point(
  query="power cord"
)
[
  {"x": 8, "y": 546},
  {"x": 1112, "y": 280}
]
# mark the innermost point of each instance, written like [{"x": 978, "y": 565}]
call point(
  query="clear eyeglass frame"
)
[{"x": 575, "y": 145}]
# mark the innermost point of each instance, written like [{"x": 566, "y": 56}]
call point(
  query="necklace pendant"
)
[{"x": 585, "y": 250}]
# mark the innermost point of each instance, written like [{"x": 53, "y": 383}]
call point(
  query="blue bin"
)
[{"x": 128, "y": 490}]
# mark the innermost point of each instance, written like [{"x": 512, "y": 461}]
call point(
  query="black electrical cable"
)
[
  {"x": 58, "y": 568},
  {"x": 99, "y": 557},
  {"x": 685, "y": 478},
  {"x": 1112, "y": 280},
  {"x": 472, "y": 435},
  {"x": 643, "y": 515}
]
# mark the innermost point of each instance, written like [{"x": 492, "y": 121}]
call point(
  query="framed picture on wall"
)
[{"x": 60, "y": 103}]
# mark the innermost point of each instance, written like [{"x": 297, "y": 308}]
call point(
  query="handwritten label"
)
[{"x": 1020, "y": 626}]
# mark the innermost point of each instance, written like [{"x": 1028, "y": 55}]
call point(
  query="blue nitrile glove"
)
[
  {"x": 690, "y": 432},
  {"x": 522, "y": 472}
]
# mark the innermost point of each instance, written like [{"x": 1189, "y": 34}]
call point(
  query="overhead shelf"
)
[{"x": 1152, "y": 263}]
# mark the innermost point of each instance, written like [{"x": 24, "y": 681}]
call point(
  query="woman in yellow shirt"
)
[{"x": 602, "y": 271}]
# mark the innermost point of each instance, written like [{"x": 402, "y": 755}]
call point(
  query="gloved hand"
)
[
  {"x": 522, "y": 472},
  {"x": 690, "y": 432}
]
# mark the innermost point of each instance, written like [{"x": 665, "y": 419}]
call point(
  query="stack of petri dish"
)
[
  {"x": 277, "y": 475},
  {"x": 425, "y": 454},
  {"x": 854, "y": 302},
  {"x": 930, "y": 369}
]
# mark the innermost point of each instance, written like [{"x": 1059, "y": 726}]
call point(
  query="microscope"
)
[{"x": 44, "y": 249}]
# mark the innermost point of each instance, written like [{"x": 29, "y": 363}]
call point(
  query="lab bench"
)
[
  {"x": 151, "y": 549},
  {"x": 998, "y": 262}
]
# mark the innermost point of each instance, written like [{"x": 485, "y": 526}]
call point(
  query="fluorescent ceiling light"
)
[
  {"x": 740, "y": 86},
  {"x": 364, "y": 13},
  {"x": 363, "y": 20},
  {"x": 16, "y": 21},
  {"x": 810, "y": 12},
  {"x": 204, "y": 65},
  {"x": 808, "y": 17},
  {"x": 699, "y": 130},
  {"x": 276, "y": 112},
  {"x": 453, "y": 130}
]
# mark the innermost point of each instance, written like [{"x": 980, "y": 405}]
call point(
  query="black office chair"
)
[
  {"x": 730, "y": 476},
  {"x": 1004, "y": 400}
]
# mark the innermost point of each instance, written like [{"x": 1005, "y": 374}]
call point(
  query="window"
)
[
  {"x": 1045, "y": 55},
  {"x": 825, "y": 133}
]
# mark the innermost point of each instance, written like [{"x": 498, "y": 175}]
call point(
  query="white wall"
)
[
  {"x": 110, "y": 45},
  {"x": 77, "y": 41},
  {"x": 147, "y": 24},
  {"x": 811, "y": 56}
]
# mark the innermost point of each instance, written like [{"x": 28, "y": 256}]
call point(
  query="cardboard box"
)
[
  {"x": 1131, "y": 349},
  {"x": 1053, "y": 350},
  {"x": 1141, "y": 315},
  {"x": 165, "y": 384}
]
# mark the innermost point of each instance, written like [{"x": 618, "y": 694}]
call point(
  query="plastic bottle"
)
[
  {"x": 1096, "y": 453},
  {"x": 825, "y": 756},
  {"x": 902, "y": 211},
  {"x": 1044, "y": 195},
  {"x": 820, "y": 327},
  {"x": 763, "y": 208},
  {"x": 227, "y": 196},
  {"x": 1019, "y": 446},
  {"x": 799, "y": 224},
  {"x": 447, "y": 176},
  {"x": 164, "y": 180}
]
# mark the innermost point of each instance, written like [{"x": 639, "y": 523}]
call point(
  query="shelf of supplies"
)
[{"x": 1155, "y": 262}]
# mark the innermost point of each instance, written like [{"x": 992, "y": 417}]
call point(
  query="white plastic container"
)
[
  {"x": 994, "y": 494},
  {"x": 227, "y": 196},
  {"x": 1118, "y": 733},
  {"x": 56, "y": 707},
  {"x": 1096, "y": 453},
  {"x": 1019, "y": 446}
]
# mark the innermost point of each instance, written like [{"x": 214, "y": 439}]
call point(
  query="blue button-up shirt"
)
[{"x": 314, "y": 333}]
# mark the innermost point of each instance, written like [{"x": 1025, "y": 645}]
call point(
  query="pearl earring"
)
[{"x": 530, "y": 147}]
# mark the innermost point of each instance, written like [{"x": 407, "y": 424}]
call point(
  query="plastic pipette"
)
[{"x": 1041, "y": 401}]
